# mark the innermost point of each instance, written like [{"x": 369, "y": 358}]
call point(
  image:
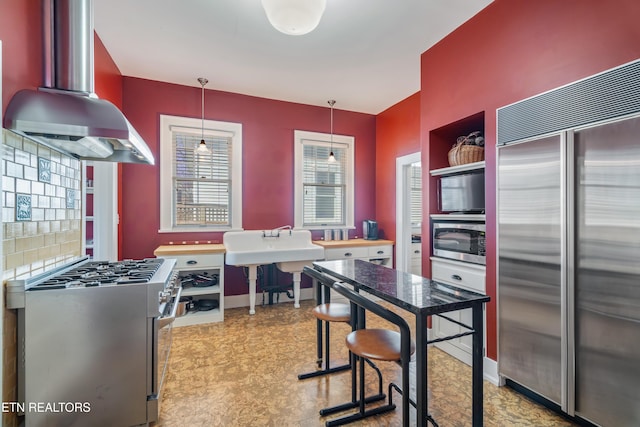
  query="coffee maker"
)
[{"x": 370, "y": 229}]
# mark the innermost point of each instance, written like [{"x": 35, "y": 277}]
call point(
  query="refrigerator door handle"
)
[{"x": 568, "y": 276}]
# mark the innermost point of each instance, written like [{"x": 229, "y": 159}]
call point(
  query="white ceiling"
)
[{"x": 365, "y": 54}]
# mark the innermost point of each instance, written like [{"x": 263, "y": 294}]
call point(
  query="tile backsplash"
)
[
  {"x": 41, "y": 207},
  {"x": 42, "y": 228}
]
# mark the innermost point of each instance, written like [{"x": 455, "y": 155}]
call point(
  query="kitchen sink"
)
[{"x": 289, "y": 249}]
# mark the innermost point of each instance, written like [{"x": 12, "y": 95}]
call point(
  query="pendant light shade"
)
[
  {"x": 202, "y": 147},
  {"x": 331, "y": 158},
  {"x": 294, "y": 17}
]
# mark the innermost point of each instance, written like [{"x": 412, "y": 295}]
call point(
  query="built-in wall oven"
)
[
  {"x": 93, "y": 342},
  {"x": 459, "y": 240}
]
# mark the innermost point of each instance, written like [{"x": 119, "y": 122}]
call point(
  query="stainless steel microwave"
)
[{"x": 460, "y": 241}]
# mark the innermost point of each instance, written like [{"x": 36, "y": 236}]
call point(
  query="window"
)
[
  {"x": 200, "y": 192},
  {"x": 323, "y": 190}
]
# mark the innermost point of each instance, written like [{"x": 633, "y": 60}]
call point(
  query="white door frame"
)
[
  {"x": 105, "y": 211},
  {"x": 403, "y": 211}
]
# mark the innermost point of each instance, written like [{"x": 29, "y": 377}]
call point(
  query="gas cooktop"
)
[{"x": 103, "y": 273}]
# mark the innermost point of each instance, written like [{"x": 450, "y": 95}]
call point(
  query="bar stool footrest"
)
[
  {"x": 361, "y": 415},
  {"x": 350, "y": 405},
  {"x": 324, "y": 372}
]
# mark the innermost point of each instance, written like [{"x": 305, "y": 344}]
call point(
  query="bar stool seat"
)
[
  {"x": 333, "y": 312},
  {"x": 376, "y": 344}
]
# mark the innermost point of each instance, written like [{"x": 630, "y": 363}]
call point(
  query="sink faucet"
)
[{"x": 276, "y": 231}]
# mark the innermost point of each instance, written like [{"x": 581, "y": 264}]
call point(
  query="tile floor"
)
[{"x": 243, "y": 372}]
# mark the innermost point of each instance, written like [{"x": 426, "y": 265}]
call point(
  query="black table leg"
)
[
  {"x": 478, "y": 338},
  {"x": 421, "y": 371}
]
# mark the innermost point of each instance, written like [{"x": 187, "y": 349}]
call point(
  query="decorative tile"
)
[
  {"x": 23, "y": 207},
  {"x": 44, "y": 169},
  {"x": 71, "y": 198}
]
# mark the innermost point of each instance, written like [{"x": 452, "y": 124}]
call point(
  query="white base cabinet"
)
[
  {"x": 463, "y": 275},
  {"x": 203, "y": 263}
]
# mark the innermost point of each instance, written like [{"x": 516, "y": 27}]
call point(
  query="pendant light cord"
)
[
  {"x": 202, "y": 147},
  {"x": 331, "y": 156},
  {"x": 203, "y": 82}
]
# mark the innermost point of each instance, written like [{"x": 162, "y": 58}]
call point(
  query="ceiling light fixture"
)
[
  {"x": 332, "y": 158},
  {"x": 202, "y": 147},
  {"x": 294, "y": 17}
]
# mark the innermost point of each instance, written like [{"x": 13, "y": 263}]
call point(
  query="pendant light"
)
[
  {"x": 332, "y": 158},
  {"x": 294, "y": 17},
  {"x": 202, "y": 147}
]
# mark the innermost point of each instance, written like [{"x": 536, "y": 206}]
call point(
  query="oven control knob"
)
[{"x": 164, "y": 296}]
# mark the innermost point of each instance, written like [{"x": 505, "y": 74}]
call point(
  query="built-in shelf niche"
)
[{"x": 441, "y": 140}]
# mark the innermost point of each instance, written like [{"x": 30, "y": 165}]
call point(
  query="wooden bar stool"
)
[
  {"x": 327, "y": 313},
  {"x": 380, "y": 345}
]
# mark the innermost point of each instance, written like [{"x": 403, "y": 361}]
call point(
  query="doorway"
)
[{"x": 408, "y": 210}]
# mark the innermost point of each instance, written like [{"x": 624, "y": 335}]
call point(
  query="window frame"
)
[
  {"x": 323, "y": 139},
  {"x": 169, "y": 124}
]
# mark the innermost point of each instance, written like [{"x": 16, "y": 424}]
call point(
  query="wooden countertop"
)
[
  {"x": 168, "y": 250},
  {"x": 351, "y": 243}
]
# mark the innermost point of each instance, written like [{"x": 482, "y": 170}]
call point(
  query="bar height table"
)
[{"x": 423, "y": 298}]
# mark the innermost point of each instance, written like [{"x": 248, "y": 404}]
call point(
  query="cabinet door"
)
[{"x": 463, "y": 275}]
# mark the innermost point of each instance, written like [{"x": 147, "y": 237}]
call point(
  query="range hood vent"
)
[{"x": 66, "y": 114}]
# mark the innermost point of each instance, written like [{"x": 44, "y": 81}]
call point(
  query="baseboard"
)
[
  {"x": 236, "y": 301},
  {"x": 490, "y": 371}
]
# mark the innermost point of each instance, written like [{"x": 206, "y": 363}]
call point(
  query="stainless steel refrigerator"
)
[{"x": 569, "y": 268}]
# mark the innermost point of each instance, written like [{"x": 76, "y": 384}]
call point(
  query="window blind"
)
[
  {"x": 415, "y": 185},
  {"x": 201, "y": 181},
  {"x": 324, "y": 184}
]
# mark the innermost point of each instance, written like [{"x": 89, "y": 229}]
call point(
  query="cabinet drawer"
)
[
  {"x": 346, "y": 253},
  {"x": 461, "y": 274},
  {"x": 199, "y": 261},
  {"x": 379, "y": 251},
  {"x": 416, "y": 251}
]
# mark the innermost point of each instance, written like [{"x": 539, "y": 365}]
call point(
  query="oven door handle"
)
[{"x": 166, "y": 321}]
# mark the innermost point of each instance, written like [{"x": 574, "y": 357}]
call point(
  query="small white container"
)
[{"x": 328, "y": 235}]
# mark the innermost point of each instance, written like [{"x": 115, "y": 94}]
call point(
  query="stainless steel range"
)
[{"x": 93, "y": 341}]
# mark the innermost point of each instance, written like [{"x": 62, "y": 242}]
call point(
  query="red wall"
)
[
  {"x": 108, "y": 85},
  {"x": 267, "y": 128},
  {"x": 511, "y": 50},
  {"x": 21, "y": 35},
  {"x": 397, "y": 134}
]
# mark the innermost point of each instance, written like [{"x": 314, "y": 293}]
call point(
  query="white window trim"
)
[
  {"x": 323, "y": 138},
  {"x": 211, "y": 127}
]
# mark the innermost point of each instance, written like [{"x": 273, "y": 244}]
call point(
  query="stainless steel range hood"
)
[{"x": 66, "y": 114}]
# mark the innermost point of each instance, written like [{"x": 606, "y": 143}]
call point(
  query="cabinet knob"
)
[
  {"x": 348, "y": 254},
  {"x": 456, "y": 277},
  {"x": 417, "y": 251},
  {"x": 380, "y": 252},
  {"x": 192, "y": 262}
]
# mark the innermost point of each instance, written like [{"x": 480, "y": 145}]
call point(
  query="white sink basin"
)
[
  {"x": 250, "y": 247},
  {"x": 290, "y": 250}
]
